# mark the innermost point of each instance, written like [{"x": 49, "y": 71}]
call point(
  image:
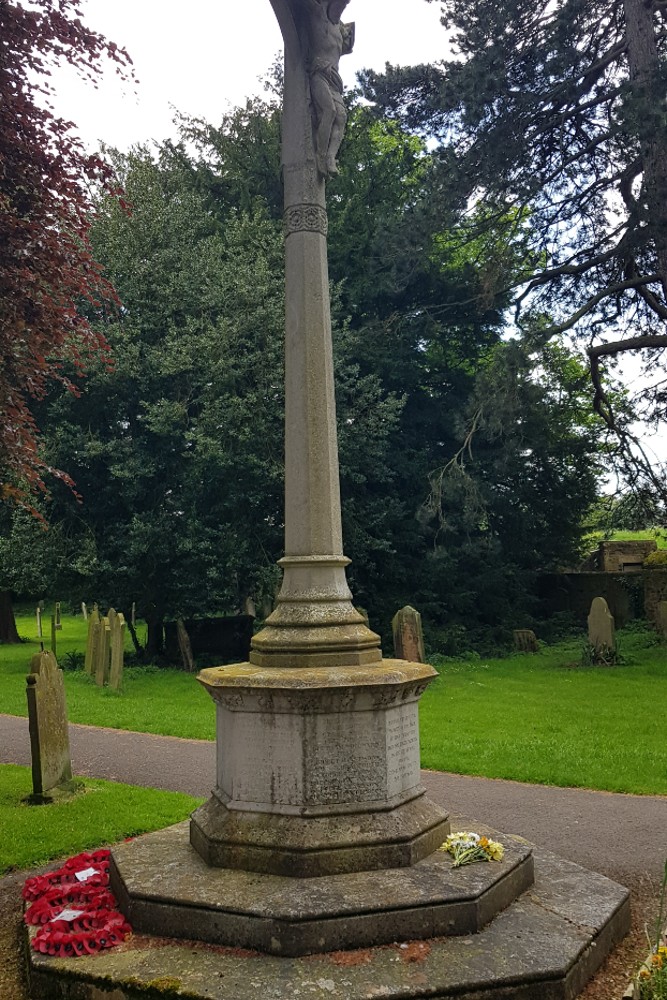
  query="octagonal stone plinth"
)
[
  {"x": 164, "y": 888},
  {"x": 317, "y": 770}
]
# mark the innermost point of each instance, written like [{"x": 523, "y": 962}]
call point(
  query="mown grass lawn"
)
[
  {"x": 153, "y": 700},
  {"x": 102, "y": 812},
  {"x": 544, "y": 718},
  {"x": 540, "y": 718}
]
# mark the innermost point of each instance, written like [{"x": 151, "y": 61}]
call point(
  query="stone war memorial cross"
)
[{"x": 318, "y": 835}]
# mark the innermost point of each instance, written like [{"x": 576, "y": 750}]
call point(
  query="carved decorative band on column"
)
[{"x": 306, "y": 218}]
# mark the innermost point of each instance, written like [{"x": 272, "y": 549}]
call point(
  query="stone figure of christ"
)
[{"x": 328, "y": 39}]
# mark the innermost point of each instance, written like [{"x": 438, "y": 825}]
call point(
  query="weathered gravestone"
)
[
  {"x": 406, "y": 626},
  {"x": 84, "y": 611},
  {"x": 58, "y": 621},
  {"x": 54, "y": 645},
  {"x": 49, "y": 736},
  {"x": 103, "y": 652},
  {"x": 601, "y": 630},
  {"x": 661, "y": 618},
  {"x": 185, "y": 646},
  {"x": 92, "y": 641},
  {"x": 525, "y": 640},
  {"x": 117, "y": 643},
  {"x": 38, "y": 615}
]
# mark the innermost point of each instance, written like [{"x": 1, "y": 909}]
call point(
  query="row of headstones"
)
[
  {"x": 105, "y": 648},
  {"x": 409, "y": 638}
]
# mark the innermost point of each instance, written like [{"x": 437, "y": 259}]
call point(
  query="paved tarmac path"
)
[{"x": 618, "y": 835}]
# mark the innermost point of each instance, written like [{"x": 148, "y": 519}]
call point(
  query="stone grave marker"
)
[
  {"x": 84, "y": 611},
  {"x": 49, "y": 736},
  {"x": 117, "y": 642},
  {"x": 406, "y": 627},
  {"x": 58, "y": 622},
  {"x": 601, "y": 630},
  {"x": 92, "y": 641},
  {"x": 661, "y": 618},
  {"x": 133, "y": 615},
  {"x": 525, "y": 640},
  {"x": 185, "y": 646},
  {"x": 38, "y": 615},
  {"x": 103, "y": 653},
  {"x": 54, "y": 644}
]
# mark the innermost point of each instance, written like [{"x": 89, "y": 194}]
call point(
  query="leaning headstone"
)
[
  {"x": 249, "y": 607},
  {"x": 117, "y": 641},
  {"x": 185, "y": 646},
  {"x": 601, "y": 630},
  {"x": 406, "y": 627},
  {"x": 49, "y": 736},
  {"x": 84, "y": 611},
  {"x": 661, "y": 618},
  {"x": 133, "y": 616},
  {"x": 54, "y": 647},
  {"x": 38, "y": 615},
  {"x": 103, "y": 652},
  {"x": 58, "y": 622},
  {"x": 92, "y": 641},
  {"x": 525, "y": 640}
]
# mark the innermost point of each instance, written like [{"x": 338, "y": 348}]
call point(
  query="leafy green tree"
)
[{"x": 177, "y": 453}]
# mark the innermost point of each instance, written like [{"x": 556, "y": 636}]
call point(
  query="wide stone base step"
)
[
  {"x": 544, "y": 946},
  {"x": 164, "y": 887}
]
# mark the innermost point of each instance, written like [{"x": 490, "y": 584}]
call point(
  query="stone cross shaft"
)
[{"x": 314, "y": 616}]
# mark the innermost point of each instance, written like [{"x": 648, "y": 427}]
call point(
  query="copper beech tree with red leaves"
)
[{"x": 50, "y": 285}]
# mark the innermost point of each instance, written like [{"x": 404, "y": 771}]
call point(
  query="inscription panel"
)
[
  {"x": 402, "y": 733},
  {"x": 346, "y": 762},
  {"x": 259, "y": 759}
]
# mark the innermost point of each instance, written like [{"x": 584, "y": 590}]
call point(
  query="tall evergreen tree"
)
[{"x": 554, "y": 116}]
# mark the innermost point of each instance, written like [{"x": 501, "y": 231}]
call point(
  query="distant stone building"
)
[{"x": 624, "y": 557}]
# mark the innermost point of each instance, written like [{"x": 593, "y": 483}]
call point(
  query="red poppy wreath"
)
[{"x": 74, "y": 909}]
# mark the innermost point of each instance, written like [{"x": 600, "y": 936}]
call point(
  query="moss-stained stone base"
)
[
  {"x": 165, "y": 888},
  {"x": 545, "y": 946},
  {"x": 312, "y": 847},
  {"x": 317, "y": 770}
]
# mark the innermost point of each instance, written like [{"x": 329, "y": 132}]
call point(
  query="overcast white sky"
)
[{"x": 205, "y": 56}]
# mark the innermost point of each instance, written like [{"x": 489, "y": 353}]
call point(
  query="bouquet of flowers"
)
[{"x": 466, "y": 847}]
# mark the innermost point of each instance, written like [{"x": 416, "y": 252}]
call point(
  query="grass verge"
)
[{"x": 102, "y": 812}]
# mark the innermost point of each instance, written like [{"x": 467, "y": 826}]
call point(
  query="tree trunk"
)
[
  {"x": 8, "y": 631},
  {"x": 138, "y": 648},
  {"x": 649, "y": 90},
  {"x": 155, "y": 639}
]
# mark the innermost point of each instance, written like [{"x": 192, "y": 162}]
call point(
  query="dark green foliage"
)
[{"x": 177, "y": 453}]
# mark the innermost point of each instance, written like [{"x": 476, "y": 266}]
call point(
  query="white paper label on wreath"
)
[
  {"x": 69, "y": 915},
  {"x": 86, "y": 873}
]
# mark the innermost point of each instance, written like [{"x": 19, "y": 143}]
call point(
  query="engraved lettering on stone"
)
[
  {"x": 306, "y": 218},
  {"x": 346, "y": 759},
  {"x": 402, "y": 729}
]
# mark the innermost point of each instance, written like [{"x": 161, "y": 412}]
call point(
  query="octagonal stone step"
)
[
  {"x": 544, "y": 946},
  {"x": 163, "y": 887}
]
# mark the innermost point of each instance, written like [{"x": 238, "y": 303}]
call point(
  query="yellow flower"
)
[
  {"x": 495, "y": 850},
  {"x": 483, "y": 842}
]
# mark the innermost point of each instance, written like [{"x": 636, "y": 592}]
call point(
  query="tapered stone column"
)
[{"x": 314, "y": 620}]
